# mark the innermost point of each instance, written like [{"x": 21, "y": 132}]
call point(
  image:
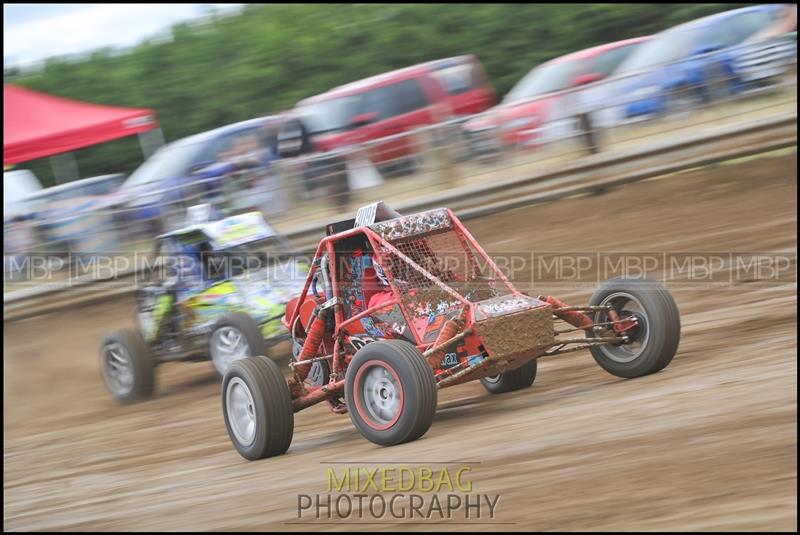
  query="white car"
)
[
  {"x": 18, "y": 185},
  {"x": 18, "y": 234}
]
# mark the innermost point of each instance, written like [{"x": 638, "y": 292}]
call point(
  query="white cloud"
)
[{"x": 91, "y": 27}]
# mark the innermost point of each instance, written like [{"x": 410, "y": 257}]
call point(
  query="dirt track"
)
[{"x": 710, "y": 443}]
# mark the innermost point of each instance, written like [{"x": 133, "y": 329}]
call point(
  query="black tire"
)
[
  {"x": 250, "y": 330},
  {"x": 417, "y": 389},
  {"x": 126, "y": 350},
  {"x": 510, "y": 381},
  {"x": 271, "y": 407},
  {"x": 655, "y": 342}
]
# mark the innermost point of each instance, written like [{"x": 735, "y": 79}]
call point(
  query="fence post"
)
[
  {"x": 439, "y": 160},
  {"x": 589, "y": 133}
]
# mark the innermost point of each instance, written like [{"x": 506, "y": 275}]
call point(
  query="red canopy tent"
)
[{"x": 36, "y": 125}]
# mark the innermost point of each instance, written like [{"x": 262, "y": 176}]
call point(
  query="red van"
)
[{"x": 393, "y": 103}]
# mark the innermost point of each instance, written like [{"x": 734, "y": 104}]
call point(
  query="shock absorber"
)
[
  {"x": 316, "y": 332},
  {"x": 319, "y": 323}
]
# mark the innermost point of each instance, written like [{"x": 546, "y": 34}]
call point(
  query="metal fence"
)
[{"x": 599, "y": 118}]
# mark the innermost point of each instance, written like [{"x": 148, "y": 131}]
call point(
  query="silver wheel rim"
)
[
  {"x": 492, "y": 378},
  {"x": 241, "y": 411},
  {"x": 381, "y": 394},
  {"x": 117, "y": 368},
  {"x": 624, "y": 353},
  {"x": 228, "y": 344}
]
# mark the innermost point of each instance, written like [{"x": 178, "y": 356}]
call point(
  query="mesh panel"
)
[{"x": 443, "y": 255}]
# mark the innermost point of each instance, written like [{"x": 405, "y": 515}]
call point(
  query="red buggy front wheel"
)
[
  {"x": 257, "y": 407},
  {"x": 391, "y": 392}
]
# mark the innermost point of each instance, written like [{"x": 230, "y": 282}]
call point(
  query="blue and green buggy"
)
[{"x": 211, "y": 291}]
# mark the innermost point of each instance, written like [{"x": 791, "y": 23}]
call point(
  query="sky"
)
[{"x": 32, "y": 32}]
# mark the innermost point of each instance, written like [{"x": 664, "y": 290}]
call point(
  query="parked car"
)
[
  {"x": 763, "y": 61},
  {"x": 465, "y": 83},
  {"x": 538, "y": 100},
  {"x": 188, "y": 171},
  {"x": 394, "y": 103},
  {"x": 18, "y": 232},
  {"x": 697, "y": 62},
  {"x": 74, "y": 217},
  {"x": 96, "y": 186},
  {"x": 17, "y": 186}
]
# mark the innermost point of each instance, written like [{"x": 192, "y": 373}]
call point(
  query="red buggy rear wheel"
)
[{"x": 653, "y": 342}]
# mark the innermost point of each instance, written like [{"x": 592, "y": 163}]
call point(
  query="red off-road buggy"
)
[{"x": 396, "y": 307}]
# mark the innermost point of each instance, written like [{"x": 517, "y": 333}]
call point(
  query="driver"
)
[
  {"x": 185, "y": 270},
  {"x": 376, "y": 286}
]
